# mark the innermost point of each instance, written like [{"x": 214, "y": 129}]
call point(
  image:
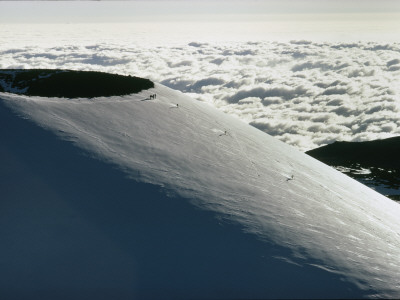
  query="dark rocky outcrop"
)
[
  {"x": 374, "y": 163},
  {"x": 70, "y": 84}
]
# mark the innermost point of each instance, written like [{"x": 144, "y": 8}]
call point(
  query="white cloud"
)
[
  {"x": 304, "y": 93},
  {"x": 260, "y": 92}
]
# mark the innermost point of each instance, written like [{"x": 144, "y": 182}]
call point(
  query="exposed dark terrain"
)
[
  {"x": 70, "y": 84},
  {"x": 374, "y": 163}
]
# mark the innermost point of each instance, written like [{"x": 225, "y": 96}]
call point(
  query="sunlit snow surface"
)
[{"x": 275, "y": 192}]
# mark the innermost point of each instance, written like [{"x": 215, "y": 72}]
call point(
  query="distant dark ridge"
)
[
  {"x": 70, "y": 84},
  {"x": 379, "y": 153},
  {"x": 380, "y": 158}
]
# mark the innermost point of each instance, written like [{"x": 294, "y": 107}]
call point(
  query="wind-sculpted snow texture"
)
[
  {"x": 309, "y": 224},
  {"x": 305, "y": 93}
]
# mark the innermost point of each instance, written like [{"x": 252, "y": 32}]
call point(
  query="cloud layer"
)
[{"x": 305, "y": 93}]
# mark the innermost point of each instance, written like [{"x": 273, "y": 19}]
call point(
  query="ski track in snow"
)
[{"x": 333, "y": 222}]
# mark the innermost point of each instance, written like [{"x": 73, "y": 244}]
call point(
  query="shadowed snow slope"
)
[{"x": 212, "y": 208}]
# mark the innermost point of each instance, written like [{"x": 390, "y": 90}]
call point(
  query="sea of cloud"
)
[{"x": 304, "y": 93}]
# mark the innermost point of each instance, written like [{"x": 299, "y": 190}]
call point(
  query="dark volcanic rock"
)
[
  {"x": 70, "y": 84},
  {"x": 378, "y": 153},
  {"x": 374, "y": 163}
]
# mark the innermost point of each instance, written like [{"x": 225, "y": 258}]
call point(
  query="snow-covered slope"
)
[{"x": 311, "y": 225}]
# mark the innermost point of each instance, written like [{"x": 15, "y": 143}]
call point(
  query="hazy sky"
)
[
  {"x": 184, "y": 10},
  {"x": 203, "y": 20}
]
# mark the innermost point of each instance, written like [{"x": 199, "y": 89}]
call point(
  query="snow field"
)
[{"x": 326, "y": 219}]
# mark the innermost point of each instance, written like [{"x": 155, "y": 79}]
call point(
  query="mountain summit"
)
[
  {"x": 70, "y": 84},
  {"x": 156, "y": 195}
]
